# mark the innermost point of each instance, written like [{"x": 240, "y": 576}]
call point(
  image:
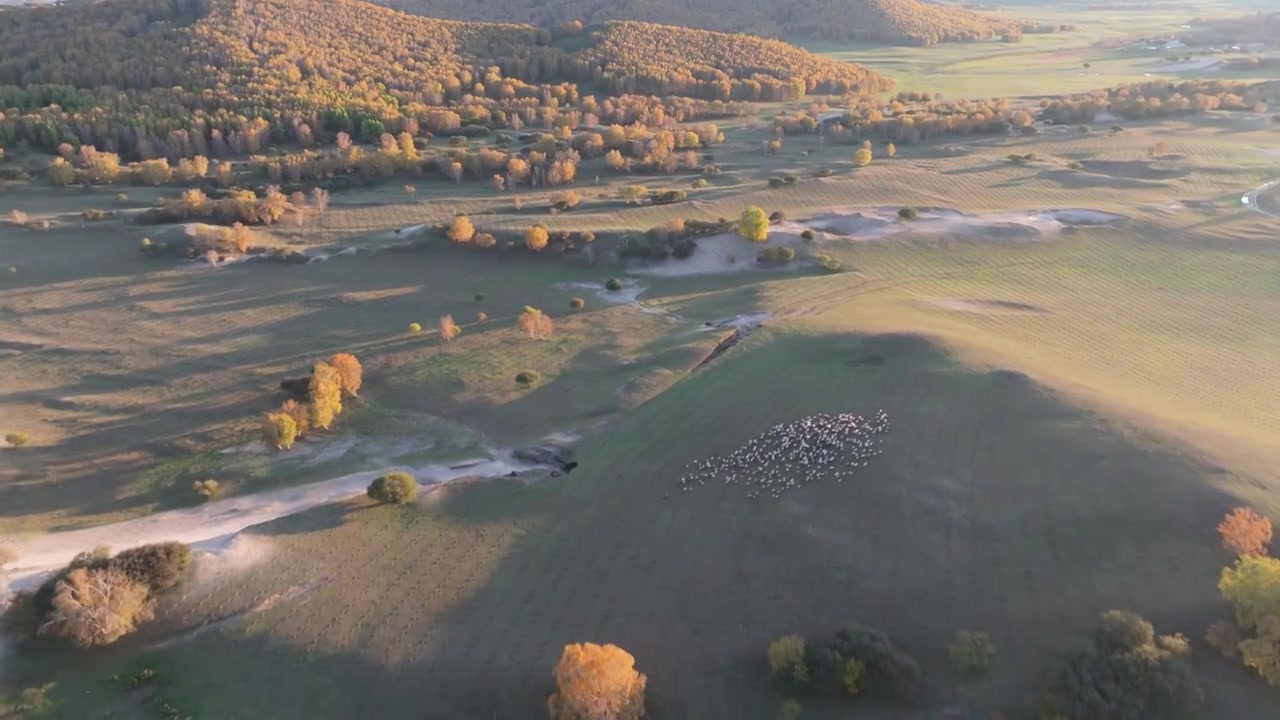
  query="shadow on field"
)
[{"x": 997, "y": 505}]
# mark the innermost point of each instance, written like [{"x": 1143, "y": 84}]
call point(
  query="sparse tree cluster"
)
[
  {"x": 859, "y": 661},
  {"x": 1252, "y": 586},
  {"x": 342, "y": 375}
]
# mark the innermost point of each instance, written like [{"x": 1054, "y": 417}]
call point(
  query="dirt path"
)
[
  {"x": 1253, "y": 198},
  {"x": 212, "y": 524}
]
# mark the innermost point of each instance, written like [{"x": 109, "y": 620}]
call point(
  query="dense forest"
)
[{"x": 908, "y": 22}]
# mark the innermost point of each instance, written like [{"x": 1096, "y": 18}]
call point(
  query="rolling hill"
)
[
  {"x": 907, "y": 22},
  {"x": 114, "y": 70}
]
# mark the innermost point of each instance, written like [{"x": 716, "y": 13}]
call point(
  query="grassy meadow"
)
[{"x": 1073, "y": 411}]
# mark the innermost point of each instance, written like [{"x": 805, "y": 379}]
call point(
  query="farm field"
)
[{"x": 1075, "y": 340}]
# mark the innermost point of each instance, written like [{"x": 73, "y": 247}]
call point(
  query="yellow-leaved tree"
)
[
  {"x": 279, "y": 429},
  {"x": 461, "y": 230},
  {"x": 753, "y": 224},
  {"x": 535, "y": 322},
  {"x": 597, "y": 681},
  {"x": 325, "y": 394},
  {"x": 536, "y": 237}
]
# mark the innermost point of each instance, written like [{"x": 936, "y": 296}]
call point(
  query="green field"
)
[{"x": 1074, "y": 407}]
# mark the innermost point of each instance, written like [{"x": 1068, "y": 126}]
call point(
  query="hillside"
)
[
  {"x": 215, "y": 64},
  {"x": 908, "y": 22}
]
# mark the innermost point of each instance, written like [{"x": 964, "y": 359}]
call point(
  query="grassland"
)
[{"x": 1072, "y": 414}]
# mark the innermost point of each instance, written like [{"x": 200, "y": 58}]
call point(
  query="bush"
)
[
  {"x": 790, "y": 710},
  {"x": 528, "y": 378},
  {"x": 1125, "y": 673},
  {"x": 787, "y": 661},
  {"x": 825, "y": 172},
  {"x": 700, "y": 183},
  {"x": 775, "y": 183},
  {"x": 668, "y": 197},
  {"x": 160, "y": 567},
  {"x": 577, "y": 303},
  {"x": 777, "y": 216},
  {"x": 1245, "y": 532},
  {"x": 1075, "y": 165},
  {"x": 478, "y": 297},
  {"x": 972, "y": 652},
  {"x": 790, "y": 180},
  {"x": 395, "y": 487},
  {"x": 415, "y": 328},
  {"x": 96, "y": 214},
  {"x": 807, "y": 236},
  {"x": 597, "y": 681},
  {"x": 776, "y": 255},
  {"x": 828, "y": 263},
  {"x": 908, "y": 213},
  {"x": 17, "y": 439},
  {"x": 613, "y": 284},
  {"x": 207, "y": 489},
  {"x": 1084, "y": 129}
]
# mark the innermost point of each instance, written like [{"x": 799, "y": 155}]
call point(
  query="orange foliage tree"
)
[
  {"x": 1245, "y": 532},
  {"x": 350, "y": 373},
  {"x": 597, "y": 681}
]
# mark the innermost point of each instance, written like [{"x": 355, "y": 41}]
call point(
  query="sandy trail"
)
[{"x": 213, "y": 524}]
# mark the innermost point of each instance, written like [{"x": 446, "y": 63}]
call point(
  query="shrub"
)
[
  {"x": 1075, "y": 165},
  {"x": 790, "y": 710},
  {"x": 1245, "y": 532},
  {"x": 908, "y": 213},
  {"x": 1126, "y": 672},
  {"x": 17, "y": 439},
  {"x": 777, "y": 216},
  {"x": 396, "y": 487},
  {"x": 96, "y": 214},
  {"x": 787, "y": 661},
  {"x": 667, "y": 197},
  {"x": 597, "y": 681},
  {"x": 565, "y": 200},
  {"x": 700, "y": 183},
  {"x": 776, "y": 255},
  {"x": 18, "y": 218},
  {"x": 482, "y": 316},
  {"x": 972, "y": 652},
  {"x": 484, "y": 240},
  {"x": 1224, "y": 637},
  {"x": 825, "y": 172},
  {"x": 207, "y": 489},
  {"x": 160, "y": 567},
  {"x": 1116, "y": 129},
  {"x": 1084, "y": 129},
  {"x": 96, "y": 607},
  {"x": 753, "y": 224},
  {"x": 807, "y": 236},
  {"x": 790, "y": 180},
  {"x": 577, "y": 303},
  {"x": 775, "y": 183},
  {"x": 528, "y": 378},
  {"x": 415, "y": 328},
  {"x": 478, "y": 297},
  {"x": 862, "y": 157},
  {"x": 613, "y": 284},
  {"x": 535, "y": 322},
  {"x": 588, "y": 237}
]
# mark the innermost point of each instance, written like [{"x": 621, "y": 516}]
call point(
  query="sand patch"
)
[
  {"x": 729, "y": 253},
  {"x": 883, "y": 222},
  {"x": 986, "y": 307},
  {"x": 629, "y": 293},
  {"x": 1189, "y": 65}
]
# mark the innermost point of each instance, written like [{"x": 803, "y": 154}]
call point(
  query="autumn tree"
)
[
  {"x": 597, "y": 681},
  {"x": 300, "y": 413},
  {"x": 1245, "y": 532},
  {"x": 862, "y": 157},
  {"x": 61, "y": 172},
  {"x": 787, "y": 660},
  {"x": 280, "y": 430},
  {"x": 614, "y": 160},
  {"x": 536, "y": 237},
  {"x": 753, "y": 224},
  {"x": 448, "y": 329},
  {"x": 96, "y": 606},
  {"x": 535, "y": 322},
  {"x": 321, "y": 198},
  {"x": 461, "y": 230},
  {"x": 325, "y": 395},
  {"x": 350, "y": 372}
]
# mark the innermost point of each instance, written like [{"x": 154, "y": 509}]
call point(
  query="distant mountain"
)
[{"x": 907, "y": 22}]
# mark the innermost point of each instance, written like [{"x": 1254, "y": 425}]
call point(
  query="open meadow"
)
[{"x": 1075, "y": 335}]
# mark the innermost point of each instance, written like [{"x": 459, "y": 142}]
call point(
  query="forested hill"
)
[
  {"x": 910, "y": 22},
  {"x": 76, "y": 70}
]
